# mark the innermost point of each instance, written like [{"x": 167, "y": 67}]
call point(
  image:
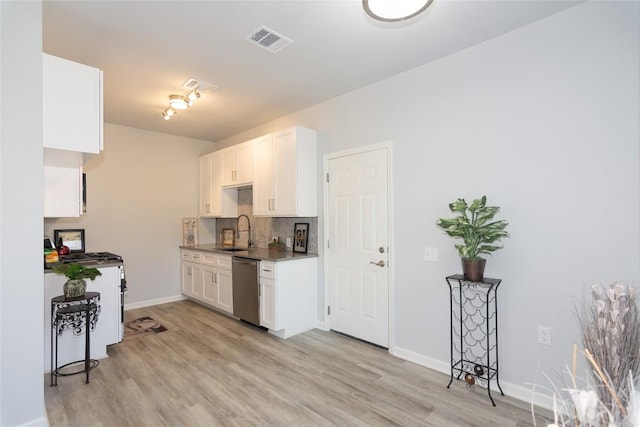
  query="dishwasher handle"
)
[{"x": 242, "y": 260}]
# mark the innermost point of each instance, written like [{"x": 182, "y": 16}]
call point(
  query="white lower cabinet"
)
[
  {"x": 268, "y": 303},
  {"x": 218, "y": 289},
  {"x": 206, "y": 277},
  {"x": 288, "y": 296}
]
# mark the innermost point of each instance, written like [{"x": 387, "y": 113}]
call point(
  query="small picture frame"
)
[
  {"x": 189, "y": 231},
  {"x": 228, "y": 236},
  {"x": 71, "y": 238},
  {"x": 300, "y": 237}
]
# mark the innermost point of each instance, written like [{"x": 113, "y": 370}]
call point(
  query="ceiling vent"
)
[{"x": 268, "y": 39}]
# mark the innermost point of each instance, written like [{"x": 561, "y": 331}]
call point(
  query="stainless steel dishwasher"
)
[{"x": 246, "y": 289}]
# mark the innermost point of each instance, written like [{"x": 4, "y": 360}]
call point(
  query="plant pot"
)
[
  {"x": 74, "y": 288},
  {"x": 473, "y": 269}
]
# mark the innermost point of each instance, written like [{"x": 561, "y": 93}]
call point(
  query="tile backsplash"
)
[{"x": 264, "y": 229}]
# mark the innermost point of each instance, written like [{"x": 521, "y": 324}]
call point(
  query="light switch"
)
[
  {"x": 288, "y": 242},
  {"x": 431, "y": 254}
]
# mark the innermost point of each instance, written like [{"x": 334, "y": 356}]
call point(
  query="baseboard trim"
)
[
  {"x": 321, "y": 325},
  {"x": 527, "y": 395},
  {"x": 147, "y": 303}
]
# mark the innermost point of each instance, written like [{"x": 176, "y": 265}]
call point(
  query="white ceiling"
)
[{"x": 147, "y": 49}]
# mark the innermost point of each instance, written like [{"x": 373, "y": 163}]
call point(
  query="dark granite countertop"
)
[{"x": 261, "y": 254}]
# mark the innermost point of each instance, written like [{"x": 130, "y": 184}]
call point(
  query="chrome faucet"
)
[{"x": 249, "y": 244}]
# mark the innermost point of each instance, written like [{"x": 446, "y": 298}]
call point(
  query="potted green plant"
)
[
  {"x": 475, "y": 227},
  {"x": 76, "y": 273},
  {"x": 276, "y": 245}
]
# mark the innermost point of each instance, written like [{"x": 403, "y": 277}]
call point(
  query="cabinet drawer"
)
[
  {"x": 209, "y": 259},
  {"x": 268, "y": 269},
  {"x": 223, "y": 261},
  {"x": 191, "y": 256}
]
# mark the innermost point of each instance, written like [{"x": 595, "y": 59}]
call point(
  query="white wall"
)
[
  {"x": 138, "y": 190},
  {"x": 21, "y": 280},
  {"x": 544, "y": 121}
]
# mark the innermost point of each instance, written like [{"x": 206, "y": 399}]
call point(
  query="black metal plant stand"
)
[
  {"x": 474, "y": 331},
  {"x": 77, "y": 315}
]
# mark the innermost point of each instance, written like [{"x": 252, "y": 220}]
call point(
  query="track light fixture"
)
[
  {"x": 180, "y": 102},
  {"x": 166, "y": 114}
]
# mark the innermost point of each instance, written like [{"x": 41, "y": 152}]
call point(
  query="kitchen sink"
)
[{"x": 233, "y": 249}]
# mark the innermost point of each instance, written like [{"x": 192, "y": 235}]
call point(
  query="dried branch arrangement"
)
[{"x": 611, "y": 337}]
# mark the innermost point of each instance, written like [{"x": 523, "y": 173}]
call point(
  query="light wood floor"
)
[{"x": 209, "y": 369}]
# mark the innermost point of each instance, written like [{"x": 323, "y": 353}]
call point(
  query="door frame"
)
[{"x": 388, "y": 146}]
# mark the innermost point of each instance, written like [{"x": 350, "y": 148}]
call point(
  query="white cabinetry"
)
[
  {"x": 62, "y": 184},
  {"x": 206, "y": 278},
  {"x": 72, "y": 105},
  {"x": 204, "y": 185},
  {"x": 288, "y": 296},
  {"x": 284, "y": 181},
  {"x": 214, "y": 201},
  {"x": 109, "y": 327},
  {"x": 72, "y": 125},
  {"x": 192, "y": 275},
  {"x": 218, "y": 289},
  {"x": 237, "y": 165}
]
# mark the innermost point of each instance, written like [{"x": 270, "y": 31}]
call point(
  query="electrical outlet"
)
[
  {"x": 544, "y": 335},
  {"x": 288, "y": 242},
  {"x": 431, "y": 254}
]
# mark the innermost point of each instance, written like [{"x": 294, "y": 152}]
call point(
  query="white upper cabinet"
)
[
  {"x": 63, "y": 186},
  {"x": 204, "y": 186},
  {"x": 237, "y": 165},
  {"x": 72, "y": 106},
  {"x": 263, "y": 171},
  {"x": 284, "y": 177},
  {"x": 215, "y": 201}
]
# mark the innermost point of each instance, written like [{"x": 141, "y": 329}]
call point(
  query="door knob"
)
[{"x": 379, "y": 263}]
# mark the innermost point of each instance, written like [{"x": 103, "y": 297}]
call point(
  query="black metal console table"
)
[
  {"x": 74, "y": 314},
  {"x": 474, "y": 331}
]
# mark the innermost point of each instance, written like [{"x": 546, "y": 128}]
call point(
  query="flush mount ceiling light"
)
[{"x": 394, "y": 10}]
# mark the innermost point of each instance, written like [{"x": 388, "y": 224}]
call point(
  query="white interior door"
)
[{"x": 358, "y": 246}]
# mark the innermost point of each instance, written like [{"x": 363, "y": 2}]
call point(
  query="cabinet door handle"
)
[{"x": 216, "y": 278}]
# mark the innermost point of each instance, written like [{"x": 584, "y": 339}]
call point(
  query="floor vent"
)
[{"x": 268, "y": 39}]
